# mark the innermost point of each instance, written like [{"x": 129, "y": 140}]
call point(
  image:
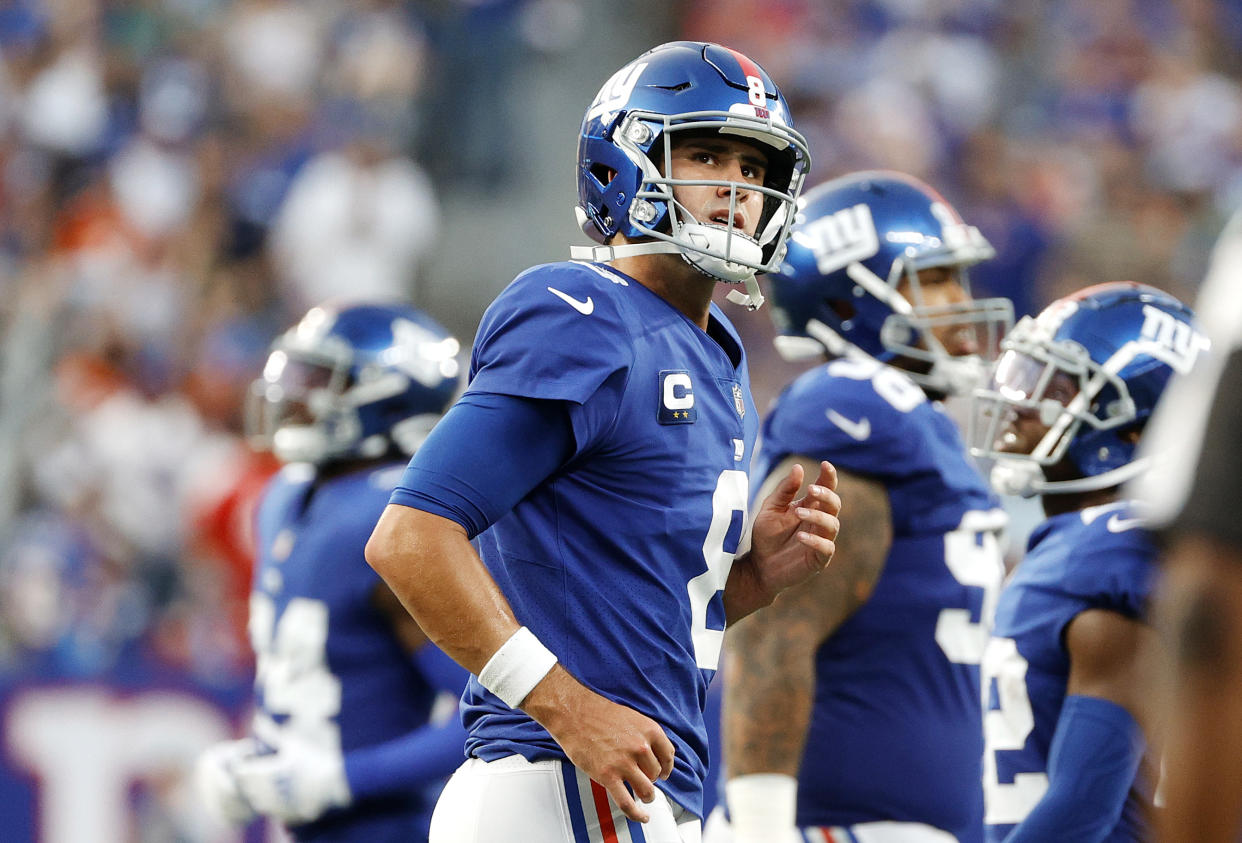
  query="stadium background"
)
[{"x": 180, "y": 179}]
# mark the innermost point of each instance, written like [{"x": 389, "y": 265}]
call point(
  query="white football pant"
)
[{"x": 519, "y": 801}]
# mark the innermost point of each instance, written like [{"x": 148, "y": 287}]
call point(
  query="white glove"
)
[
  {"x": 296, "y": 784},
  {"x": 216, "y": 782}
]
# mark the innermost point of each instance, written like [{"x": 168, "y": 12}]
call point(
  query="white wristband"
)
[
  {"x": 762, "y": 804},
  {"x": 517, "y": 667}
]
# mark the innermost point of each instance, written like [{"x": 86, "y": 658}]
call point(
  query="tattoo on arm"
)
[{"x": 770, "y": 656}]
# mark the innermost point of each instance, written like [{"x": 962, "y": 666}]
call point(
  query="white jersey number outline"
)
[
  {"x": 1007, "y": 728},
  {"x": 291, "y": 671},
  {"x": 973, "y": 556},
  {"x": 898, "y": 390},
  {"x": 730, "y": 497}
]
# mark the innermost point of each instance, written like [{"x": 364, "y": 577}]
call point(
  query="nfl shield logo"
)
[{"x": 739, "y": 403}]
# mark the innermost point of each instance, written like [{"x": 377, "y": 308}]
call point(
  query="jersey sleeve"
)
[
  {"x": 557, "y": 332},
  {"x": 842, "y": 420},
  {"x": 512, "y": 442},
  {"x": 1114, "y": 571}
]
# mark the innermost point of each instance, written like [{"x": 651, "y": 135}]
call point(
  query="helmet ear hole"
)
[
  {"x": 842, "y": 308},
  {"x": 603, "y": 174}
]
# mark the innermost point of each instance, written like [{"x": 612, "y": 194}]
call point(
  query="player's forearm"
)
[
  {"x": 433, "y": 570},
  {"x": 744, "y": 591},
  {"x": 1095, "y": 754},
  {"x": 767, "y": 706}
]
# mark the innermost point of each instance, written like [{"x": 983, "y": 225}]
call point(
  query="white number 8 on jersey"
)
[{"x": 729, "y": 497}]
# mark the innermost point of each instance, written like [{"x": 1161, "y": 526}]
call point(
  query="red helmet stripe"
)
[{"x": 749, "y": 68}]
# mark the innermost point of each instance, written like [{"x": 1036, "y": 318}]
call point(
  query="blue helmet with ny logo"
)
[
  {"x": 354, "y": 381},
  {"x": 1075, "y": 386},
  {"x": 625, "y": 145},
  {"x": 850, "y": 281}
]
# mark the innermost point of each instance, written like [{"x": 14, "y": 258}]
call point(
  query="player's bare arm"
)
[
  {"x": 431, "y": 567},
  {"x": 766, "y": 716},
  {"x": 1115, "y": 658},
  {"x": 1201, "y": 610},
  {"x": 793, "y": 538}
]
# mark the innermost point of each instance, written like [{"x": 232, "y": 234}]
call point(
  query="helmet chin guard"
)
[
  {"x": 1021, "y": 478},
  {"x": 713, "y": 250}
]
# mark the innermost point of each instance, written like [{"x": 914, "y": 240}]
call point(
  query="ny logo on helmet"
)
[
  {"x": 616, "y": 91},
  {"x": 1170, "y": 339},
  {"x": 841, "y": 238}
]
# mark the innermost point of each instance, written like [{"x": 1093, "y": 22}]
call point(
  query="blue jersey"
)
[
  {"x": 1097, "y": 558},
  {"x": 329, "y": 668},
  {"x": 618, "y": 561},
  {"x": 897, "y": 687}
]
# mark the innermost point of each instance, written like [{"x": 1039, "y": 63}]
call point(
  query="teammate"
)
[
  {"x": 1070, "y": 673},
  {"x": 599, "y": 456},
  {"x": 854, "y": 699},
  {"x": 341, "y": 746},
  {"x": 1193, "y": 496}
]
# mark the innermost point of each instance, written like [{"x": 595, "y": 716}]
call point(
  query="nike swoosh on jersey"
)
[
  {"x": 1117, "y": 524},
  {"x": 859, "y": 430},
  {"x": 583, "y": 307}
]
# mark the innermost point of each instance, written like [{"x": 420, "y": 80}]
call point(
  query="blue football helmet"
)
[
  {"x": 1090, "y": 369},
  {"x": 353, "y": 382},
  {"x": 626, "y": 137},
  {"x": 854, "y": 241}
]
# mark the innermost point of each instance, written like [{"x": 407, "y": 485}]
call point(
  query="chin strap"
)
[
  {"x": 1015, "y": 476},
  {"x": 603, "y": 254},
  {"x": 752, "y": 299}
]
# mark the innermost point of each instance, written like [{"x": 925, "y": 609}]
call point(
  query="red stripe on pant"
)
[{"x": 606, "y": 828}]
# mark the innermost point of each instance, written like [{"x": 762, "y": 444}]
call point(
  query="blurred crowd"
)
[{"x": 180, "y": 179}]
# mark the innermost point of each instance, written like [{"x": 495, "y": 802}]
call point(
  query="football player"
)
[
  {"x": 852, "y": 710},
  {"x": 600, "y": 458},
  {"x": 1071, "y": 669},
  {"x": 342, "y": 743}
]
